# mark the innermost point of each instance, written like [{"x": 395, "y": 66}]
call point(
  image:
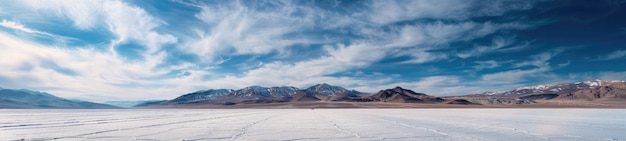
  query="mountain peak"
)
[
  {"x": 322, "y": 85},
  {"x": 398, "y": 87}
]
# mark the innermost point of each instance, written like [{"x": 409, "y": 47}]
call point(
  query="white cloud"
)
[
  {"x": 129, "y": 23},
  {"x": 421, "y": 56},
  {"x": 538, "y": 60},
  {"x": 16, "y": 26},
  {"x": 613, "y": 55},
  {"x": 20, "y": 27},
  {"x": 238, "y": 28},
  {"x": 424, "y": 38},
  {"x": 497, "y": 43},
  {"x": 513, "y": 76},
  {"x": 81, "y": 71},
  {"x": 97, "y": 73},
  {"x": 611, "y": 75},
  {"x": 541, "y": 65},
  {"x": 387, "y": 12},
  {"x": 490, "y": 64},
  {"x": 231, "y": 25}
]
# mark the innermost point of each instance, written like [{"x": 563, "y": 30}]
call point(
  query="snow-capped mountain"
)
[{"x": 328, "y": 90}]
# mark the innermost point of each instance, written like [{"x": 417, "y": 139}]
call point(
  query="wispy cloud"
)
[
  {"x": 497, "y": 43},
  {"x": 16, "y": 26},
  {"x": 386, "y": 12},
  {"x": 240, "y": 28},
  {"x": 617, "y": 54},
  {"x": 20, "y": 27},
  {"x": 539, "y": 62},
  {"x": 128, "y": 23},
  {"x": 489, "y": 64}
]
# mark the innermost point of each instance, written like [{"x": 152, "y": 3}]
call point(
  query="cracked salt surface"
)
[{"x": 319, "y": 124}]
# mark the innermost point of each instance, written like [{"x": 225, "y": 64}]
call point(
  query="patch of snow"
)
[
  {"x": 538, "y": 87},
  {"x": 593, "y": 83},
  {"x": 556, "y": 90},
  {"x": 493, "y": 92}
]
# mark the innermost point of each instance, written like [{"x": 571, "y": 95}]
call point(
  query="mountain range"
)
[
  {"x": 591, "y": 92},
  {"x": 582, "y": 92}
]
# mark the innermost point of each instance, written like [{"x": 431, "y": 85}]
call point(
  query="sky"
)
[{"x": 134, "y": 50}]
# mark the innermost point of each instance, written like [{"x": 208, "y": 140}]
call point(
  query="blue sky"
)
[{"x": 132, "y": 50}]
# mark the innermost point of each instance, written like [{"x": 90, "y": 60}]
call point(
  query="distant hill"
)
[{"x": 23, "y": 98}]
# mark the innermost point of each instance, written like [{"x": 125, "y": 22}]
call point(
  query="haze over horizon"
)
[{"x": 137, "y": 50}]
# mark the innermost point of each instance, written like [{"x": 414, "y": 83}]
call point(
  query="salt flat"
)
[{"x": 318, "y": 124}]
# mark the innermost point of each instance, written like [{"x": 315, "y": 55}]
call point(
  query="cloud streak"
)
[{"x": 613, "y": 55}]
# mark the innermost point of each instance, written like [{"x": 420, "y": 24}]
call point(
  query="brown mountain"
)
[{"x": 400, "y": 95}]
